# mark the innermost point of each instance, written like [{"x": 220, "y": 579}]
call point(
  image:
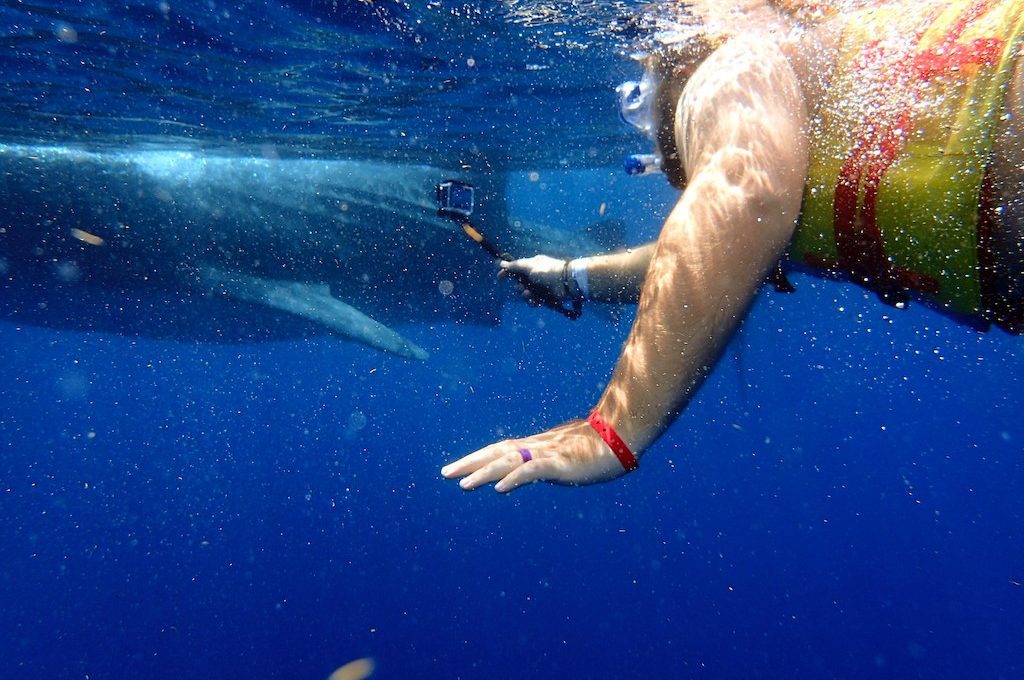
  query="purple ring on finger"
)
[{"x": 527, "y": 456}]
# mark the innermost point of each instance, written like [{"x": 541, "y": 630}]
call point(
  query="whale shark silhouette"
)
[{"x": 202, "y": 247}]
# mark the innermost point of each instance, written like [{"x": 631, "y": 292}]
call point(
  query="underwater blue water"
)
[
  {"x": 843, "y": 499},
  {"x": 411, "y": 81}
]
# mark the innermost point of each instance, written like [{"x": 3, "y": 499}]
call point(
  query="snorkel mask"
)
[
  {"x": 636, "y": 104},
  {"x": 679, "y": 39},
  {"x": 636, "y": 109}
]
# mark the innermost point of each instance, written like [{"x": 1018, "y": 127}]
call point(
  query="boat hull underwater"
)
[{"x": 198, "y": 247}]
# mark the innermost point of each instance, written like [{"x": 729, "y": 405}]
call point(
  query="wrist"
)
[
  {"x": 618, "y": 446},
  {"x": 579, "y": 274},
  {"x": 634, "y": 430},
  {"x": 575, "y": 283}
]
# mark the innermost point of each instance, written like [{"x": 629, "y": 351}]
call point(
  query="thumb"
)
[{"x": 515, "y": 266}]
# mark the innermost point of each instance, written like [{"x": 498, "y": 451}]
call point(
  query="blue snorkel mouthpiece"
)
[{"x": 642, "y": 164}]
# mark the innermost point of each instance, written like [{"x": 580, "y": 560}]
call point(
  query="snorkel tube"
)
[{"x": 455, "y": 201}]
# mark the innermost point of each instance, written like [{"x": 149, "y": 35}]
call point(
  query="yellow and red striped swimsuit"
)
[{"x": 896, "y": 197}]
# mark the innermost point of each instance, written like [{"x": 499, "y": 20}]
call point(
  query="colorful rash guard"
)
[{"x": 896, "y": 197}]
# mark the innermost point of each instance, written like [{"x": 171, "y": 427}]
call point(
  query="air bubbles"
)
[
  {"x": 356, "y": 423},
  {"x": 357, "y": 420}
]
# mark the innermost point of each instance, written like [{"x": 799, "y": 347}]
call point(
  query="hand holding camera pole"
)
[
  {"x": 536, "y": 292},
  {"x": 455, "y": 201}
]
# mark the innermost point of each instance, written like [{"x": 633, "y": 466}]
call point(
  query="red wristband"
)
[{"x": 613, "y": 440}]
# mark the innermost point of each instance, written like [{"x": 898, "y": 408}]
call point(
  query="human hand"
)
[
  {"x": 572, "y": 453},
  {"x": 543, "y": 273}
]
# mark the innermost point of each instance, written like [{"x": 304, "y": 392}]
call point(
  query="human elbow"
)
[{"x": 767, "y": 184}]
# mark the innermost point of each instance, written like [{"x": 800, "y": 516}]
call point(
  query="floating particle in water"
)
[
  {"x": 534, "y": 176},
  {"x": 446, "y": 287},
  {"x": 64, "y": 33},
  {"x": 86, "y": 237},
  {"x": 360, "y": 669},
  {"x": 602, "y": 209}
]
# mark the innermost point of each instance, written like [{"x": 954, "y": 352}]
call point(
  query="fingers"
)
[
  {"x": 493, "y": 471},
  {"x": 538, "y": 265},
  {"x": 523, "y": 266},
  {"x": 520, "y": 276},
  {"x": 539, "y": 277},
  {"x": 472, "y": 462},
  {"x": 533, "y": 471},
  {"x": 503, "y": 463},
  {"x": 572, "y": 453}
]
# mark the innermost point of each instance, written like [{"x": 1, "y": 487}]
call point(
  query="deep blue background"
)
[{"x": 843, "y": 500}]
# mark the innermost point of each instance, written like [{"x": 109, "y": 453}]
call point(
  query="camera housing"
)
[{"x": 455, "y": 199}]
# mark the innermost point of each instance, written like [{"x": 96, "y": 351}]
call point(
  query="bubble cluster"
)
[{"x": 356, "y": 421}]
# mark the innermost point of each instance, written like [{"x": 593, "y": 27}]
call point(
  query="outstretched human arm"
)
[
  {"x": 740, "y": 127},
  {"x": 614, "y": 277}
]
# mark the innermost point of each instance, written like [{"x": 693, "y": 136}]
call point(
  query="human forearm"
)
[
  {"x": 616, "y": 277},
  {"x": 700, "y": 283}
]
